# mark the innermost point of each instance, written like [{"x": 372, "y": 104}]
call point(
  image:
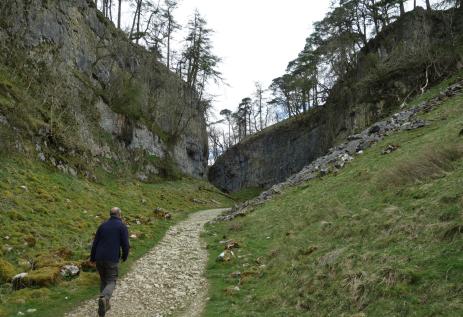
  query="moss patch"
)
[{"x": 7, "y": 271}]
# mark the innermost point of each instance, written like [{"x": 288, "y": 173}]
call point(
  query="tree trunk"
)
[
  {"x": 138, "y": 20},
  {"x": 169, "y": 31},
  {"x": 428, "y": 5},
  {"x": 134, "y": 21},
  {"x": 414, "y": 4},
  {"x": 119, "y": 10},
  {"x": 402, "y": 8},
  {"x": 110, "y": 9}
]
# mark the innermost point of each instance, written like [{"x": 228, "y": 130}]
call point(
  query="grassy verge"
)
[
  {"x": 246, "y": 194},
  {"x": 48, "y": 219},
  {"x": 383, "y": 237}
]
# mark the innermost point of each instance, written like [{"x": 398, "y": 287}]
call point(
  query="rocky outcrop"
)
[
  {"x": 266, "y": 158},
  {"x": 390, "y": 69},
  {"x": 337, "y": 157},
  {"x": 93, "y": 94}
]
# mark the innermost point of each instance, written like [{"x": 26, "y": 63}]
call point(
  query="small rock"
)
[
  {"x": 390, "y": 148},
  {"x": 142, "y": 177},
  {"x": 133, "y": 236},
  {"x": 161, "y": 213},
  {"x": 324, "y": 170},
  {"x": 24, "y": 188},
  {"x": 31, "y": 310},
  {"x": 374, "y": 129},
  {"x": 70, "y": 271},
  {"x": 3, "y": 120},
  {"x": 20, "y": 313},
  {"x": 226, "y": 256},
  {"x": 42, "y": 157},
  {"x": 230, "y": 244},
  {"x": 7, "y": 248},
  {"x": 17, "y": 281},
  {"x": 72, "y": 171},
  {"x": 198, "y": 201},
  {"x": 236, "y": 274},
  {"x": 232, "y": 290}
]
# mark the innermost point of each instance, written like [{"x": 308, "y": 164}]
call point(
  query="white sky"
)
[{"x": 255, "y": 39}]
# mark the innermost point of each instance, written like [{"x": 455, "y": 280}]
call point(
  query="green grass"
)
[
  {"x": 52, "y": 220},
  {"x": 246, "y": 194},
  {"x": 383, "y": 237}
]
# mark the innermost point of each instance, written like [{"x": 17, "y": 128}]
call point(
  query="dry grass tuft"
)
[
  {"x": 453, "y": 232},
  {"x": 43, "y": 277},
  {"x": 432, "y": 163},
  {"x": 358, "y": 285}
]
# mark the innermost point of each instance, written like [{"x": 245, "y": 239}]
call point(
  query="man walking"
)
[{"x": 110, "y": 238}]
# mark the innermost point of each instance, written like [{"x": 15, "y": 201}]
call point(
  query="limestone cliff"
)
[
  {"x": 390, "y": 68},
  {"x": 75, "y": 93}
]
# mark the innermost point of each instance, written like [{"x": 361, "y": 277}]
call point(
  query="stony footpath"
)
[
  {"x": 338, "y": 156},
  {"x": 167, "y": 280}
]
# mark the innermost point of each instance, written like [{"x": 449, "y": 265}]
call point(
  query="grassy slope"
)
[
  {"x": 53, "y": 222},
  {"x": 380, "y": 238}
]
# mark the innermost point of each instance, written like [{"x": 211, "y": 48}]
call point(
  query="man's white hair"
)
[{"x": 115, "y": 211}]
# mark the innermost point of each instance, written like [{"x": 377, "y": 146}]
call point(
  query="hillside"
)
[
  {"x": 389, "y": 71},
  {"x": 48, "y": 220},
  {"x": 380, "y": 237}
]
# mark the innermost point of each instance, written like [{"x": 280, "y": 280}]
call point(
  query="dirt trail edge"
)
[{"x": 167, "y": 280}]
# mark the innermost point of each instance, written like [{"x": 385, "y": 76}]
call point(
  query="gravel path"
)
[{"x": 168, "y": 279}]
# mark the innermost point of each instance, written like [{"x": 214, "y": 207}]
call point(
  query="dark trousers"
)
[{"x": 109, "y": 271}]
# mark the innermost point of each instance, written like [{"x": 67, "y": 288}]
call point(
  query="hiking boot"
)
[{"x": 102, "y": 306}]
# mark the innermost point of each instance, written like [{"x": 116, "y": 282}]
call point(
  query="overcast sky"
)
[{"x": 255, "y": 39}]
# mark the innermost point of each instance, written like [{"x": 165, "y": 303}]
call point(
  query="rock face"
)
[
  {"x": 390, "y": 69},
  {"x": 267, "y": 158},
  {"x": 95, "y": 94}
]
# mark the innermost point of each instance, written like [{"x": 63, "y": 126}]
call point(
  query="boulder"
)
[
  {"x": 161, "y": 213},
  {"x": 70, "y": 271},
  {"x": 17, "y": 281}
]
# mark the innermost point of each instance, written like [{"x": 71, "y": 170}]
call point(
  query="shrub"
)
[{"x": 126, "y": 96}]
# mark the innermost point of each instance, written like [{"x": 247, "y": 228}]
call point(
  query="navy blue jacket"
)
[{"x": 110, "y": 238}]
